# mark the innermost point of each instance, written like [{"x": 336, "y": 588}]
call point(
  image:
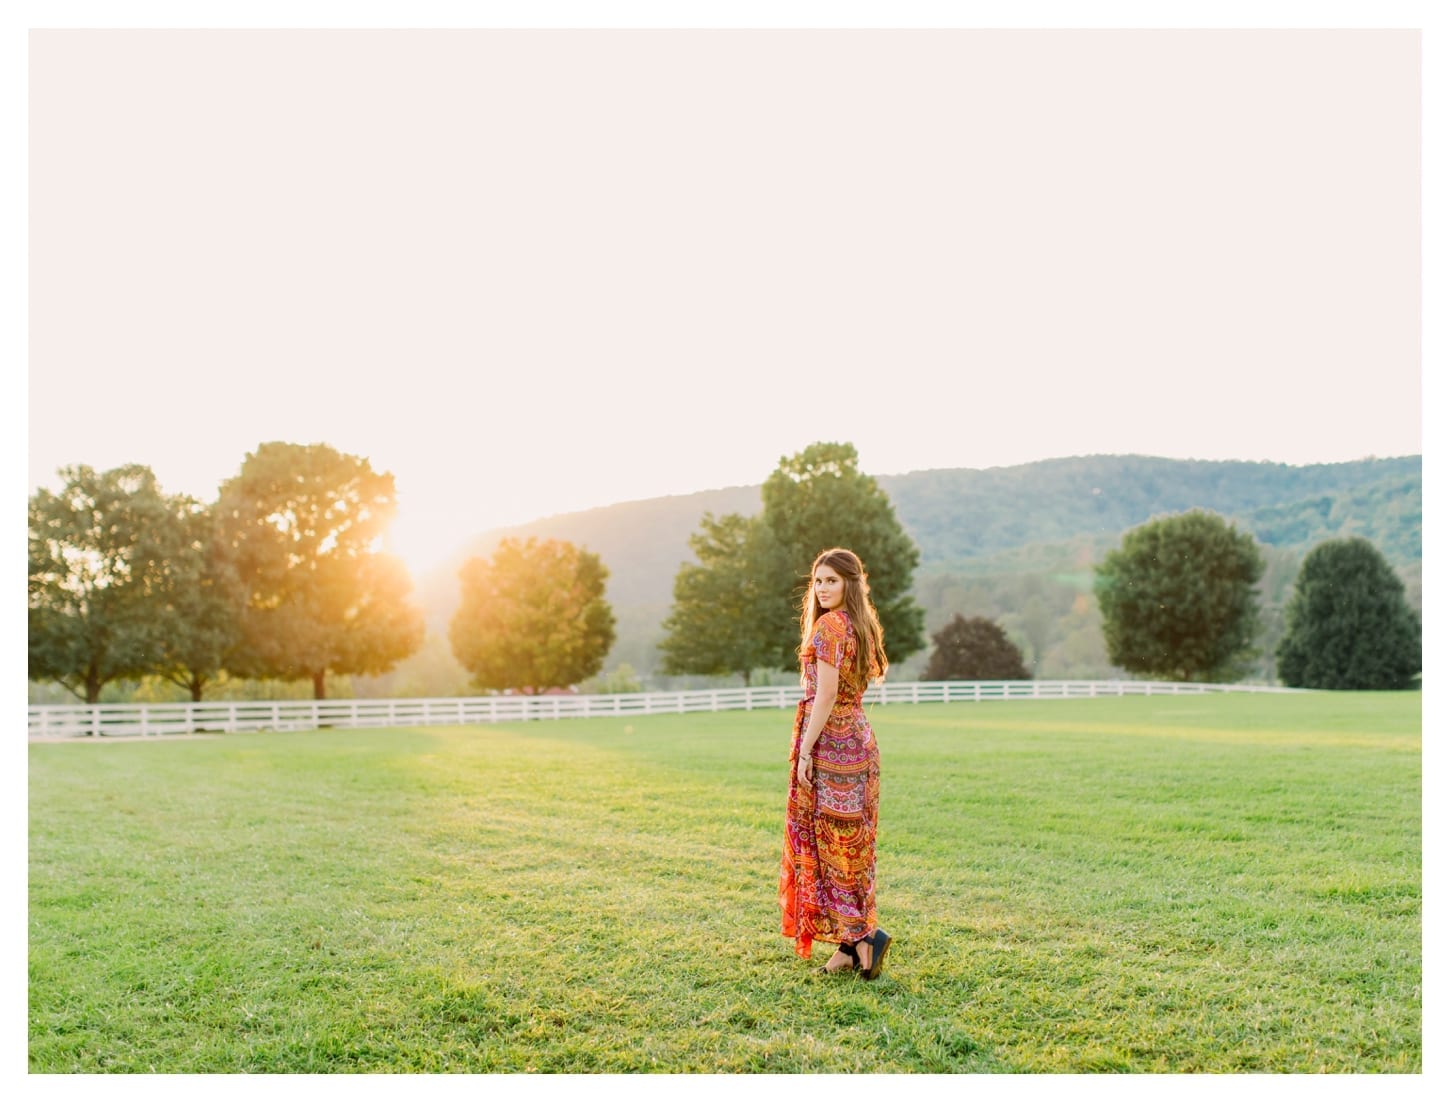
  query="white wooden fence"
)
[{"x": 94, "y": 720}]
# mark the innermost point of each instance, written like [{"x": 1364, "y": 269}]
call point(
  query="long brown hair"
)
[{"x": 870, "y": 662}]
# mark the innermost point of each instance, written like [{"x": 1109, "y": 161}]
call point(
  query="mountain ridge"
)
[
  {"x": 1014, "y": 543},
  {"x": 1057, "y": 499}
]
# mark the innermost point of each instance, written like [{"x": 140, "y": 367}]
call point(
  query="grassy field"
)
[{"x": 1191, "y": 884}]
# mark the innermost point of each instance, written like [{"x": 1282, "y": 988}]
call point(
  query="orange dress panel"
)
[{"x": 828, "y": 866}]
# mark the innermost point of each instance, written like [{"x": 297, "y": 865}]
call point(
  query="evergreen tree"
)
[
  {"x": 1178, "y": 600},
  {"x": 974, "y": 650},
  {"x": 533, "y": 617},
  {"x": 1348, "y": 625}
]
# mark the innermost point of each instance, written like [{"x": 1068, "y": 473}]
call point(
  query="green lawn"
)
[{"x": 1212, "y": 883}]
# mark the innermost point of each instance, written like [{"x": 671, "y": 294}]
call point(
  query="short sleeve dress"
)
[{"x": 828, "y": 868}]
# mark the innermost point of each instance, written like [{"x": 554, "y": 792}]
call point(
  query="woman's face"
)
[{"x": 830, "y": 588}]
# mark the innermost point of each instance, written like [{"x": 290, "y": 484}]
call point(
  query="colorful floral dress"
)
[{"x": 828, "y": 869}]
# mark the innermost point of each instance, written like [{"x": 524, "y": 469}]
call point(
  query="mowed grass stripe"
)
[{"x": 1215, "y": 883}]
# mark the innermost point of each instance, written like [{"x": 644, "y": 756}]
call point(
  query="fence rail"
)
[{"x": 111, "y": 720}]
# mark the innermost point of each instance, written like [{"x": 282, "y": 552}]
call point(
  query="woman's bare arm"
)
[{"x": 828, "y": 680}]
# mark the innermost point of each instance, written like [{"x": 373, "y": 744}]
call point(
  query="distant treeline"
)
[
  {"x": 1014, "y": 544},
  {"x": 957, "y": 515}
]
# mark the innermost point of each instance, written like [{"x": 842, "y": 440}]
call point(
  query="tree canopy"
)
[
  {"x": 737, "y": 608},
  {"x": 98, "y": 554},
  {"x": 533, "y": 617},
  {"x": 199, "y": 604},
  {"x": 1348, "y": 625},
  {"x": 1178, "y": 599},
  {"x": 298, "y": 526},
  {"x": 974, "y": 650},
  {"x": 714, "y": 626},
  {"x": 818, "y": 499}
]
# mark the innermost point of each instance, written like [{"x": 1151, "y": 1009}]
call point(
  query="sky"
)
[{"x": 535, "y": 271}]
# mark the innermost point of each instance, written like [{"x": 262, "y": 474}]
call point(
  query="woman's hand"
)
[{"x": 804, "y": 767}]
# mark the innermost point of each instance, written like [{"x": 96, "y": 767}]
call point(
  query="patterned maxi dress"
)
[{"x": 828, "y": 869}]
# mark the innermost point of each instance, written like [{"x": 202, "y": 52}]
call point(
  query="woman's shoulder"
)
[{"x": 837, "y": 619}]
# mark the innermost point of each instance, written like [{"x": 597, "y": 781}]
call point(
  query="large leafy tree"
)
[
  {"x": 974, "y": 650},
  {"x": 199, "y": 604},
  {"x": 533, "y": 617},
  {"x": 1178, "y": 600},
  {"x": 714, "y": 626},
  {"x": 1348, "y": 625},
  {"x": 817, "y": 499},
  {"x": 299, "y": 528},
  {"x": 98, "y": 554}
]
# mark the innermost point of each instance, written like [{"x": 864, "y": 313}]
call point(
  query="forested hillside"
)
[
  {"x": 1015, "y": 544},
  {"x": 962, "y": 514}
]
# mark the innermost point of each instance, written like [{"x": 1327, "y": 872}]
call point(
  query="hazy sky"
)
[{"x": 536, "y": 271}]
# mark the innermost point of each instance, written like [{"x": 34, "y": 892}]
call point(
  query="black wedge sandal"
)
[{"x": 879, "y": 941}]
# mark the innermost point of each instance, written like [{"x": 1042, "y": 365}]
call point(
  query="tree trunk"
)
[
  {"x": 195, "y": 690},
  {"x": 93, "y": 686},
  {"x": 319, "y": 685}
]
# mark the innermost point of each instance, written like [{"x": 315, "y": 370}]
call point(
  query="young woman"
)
[{"x": 828, "y": 870}]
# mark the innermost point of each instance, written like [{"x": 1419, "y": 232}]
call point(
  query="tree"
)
[
  {"x": 97, "y": 552},
  {"x": 819, "y": 499},
  {"x": 714, "y": 626},
  {"x": 298, "y": 527},
  {"x": 974, "y": 650},
  {"x": 1178, "y": 599},
  {"x": 533, "y": 617},
  {"x": 1348, "y": 625},
  {"x": 199, "y": 601}
]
